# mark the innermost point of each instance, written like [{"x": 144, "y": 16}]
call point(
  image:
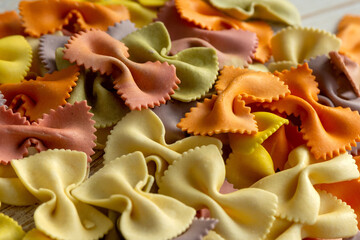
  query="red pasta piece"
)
[{"x": 68, "y": 127}]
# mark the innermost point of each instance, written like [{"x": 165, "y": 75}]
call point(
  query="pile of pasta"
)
[{"x": 180, "y": 119}]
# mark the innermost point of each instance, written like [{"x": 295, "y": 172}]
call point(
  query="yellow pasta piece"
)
[
  {"x": 292, "y": 45},
  {"x": 335, "y": 220},
  {"x": 298, "y": 200},
  {"x": 15, "y": 59},
  {"x": 195, "y": 179},
  {"x": 249, "y": 161},
  {"x": 10, "y": 229},
  {"x": 119, "y": 185},
  {"x": 50, "y": 176},
  {"x": 35, "y": 234},
  {"x": 12, "y": 191},
  {"x": 143, "y": 131}
]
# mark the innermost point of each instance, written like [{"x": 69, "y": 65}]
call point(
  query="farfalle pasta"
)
[
  {"x": 273, "y": 147},
  {"x": 51, "y": 176},
  {"x": 335, "y": 219},
  {"x": 53, "y": 15},
  {"x": 33, "y": 98},
  {"x": 298, "y": 179},
  {"x": 229, "y": 49},
  {"x": 347, "y": 191},
  {"x": 244, "y": 214},
  {"x": 196, "y": 68},
  {"x": 15, "y": 56},
  {"x": 292, "y": 45},
  {"x": 140, "y": 15},
  {"x": 129, "y": 76},
  {"x": 49, "y": 43},
  {"x": 10, "y": 228},
  {"x": 143, "y": 131},
  {"x": 169, "y": 217},
  {"x": 249, "y": 160},
  {"x": 205, "y": 16},
  {"x": 108, "y": 108},
  {"x": 226, "y": 112},
  {"x": 58, "y": 129},
  {"x": 323, "y": 136},
  {"x": 277, "y": 11},
  {"x": 12, "y": 191}
]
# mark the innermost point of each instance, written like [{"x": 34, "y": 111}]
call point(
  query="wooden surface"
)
[{"x": 324, "y": 14}]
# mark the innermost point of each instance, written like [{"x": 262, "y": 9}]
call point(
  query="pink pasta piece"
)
[
  {"x": 140, "y": 85},
  {"x": 238, "y": 45},
  {"x": 68, "y": 127}
]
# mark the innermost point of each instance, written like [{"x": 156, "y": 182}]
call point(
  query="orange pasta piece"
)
[
  {"x": 280, "y": 144},
  {"x": 328, "y": 131},
  {"x": 226, "y": 112},
  {"x": 53, "y": 15},
  {"x": 33, "y": 98},
  {"x": 348, "y": 191},
  {"x": 205, "y": 16},
  {"x": 348, "y": 32},
  {"x": 10, "y": 24}
]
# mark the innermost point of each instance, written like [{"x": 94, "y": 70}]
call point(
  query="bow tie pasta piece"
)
[
  {"x": 50, "y": 176},
  {"x": 139, "y": 14},
  {"x": 119, "y": 186},
  {"x": 33, "y": 98},
  {"x": 195, "y": 179},
  {"x": 226, "y": 112},
  {"x": 347, "y": 191},
  {"x": 143, "y": 131},
  {"x": 68, "y": 127},
  {"x": 234, "y": 47},
  {"x": 140, "y": 85},
  {"x": 335, "y": 220},
  {"x": 10, "y": 229},
  {"x": 99, "y": 94},
  {"x": 53, "y": 15},
  {"x": 15, "y": 59},
  {"x": 12, "y": 191},
  {"x": 105, "y": 104},
  {"x": 49, "y": 43},
  {"x": 324, "y": 136},
  {"x": 196, "y": 68},
  {"x": 249, "y": 160},
  {"x": 10, "y": 24},
  {"x": 298, "y": 199},
  {"x": 336, "y": 87},
  {"x": 282, "y": 11},
  {"x": 294, "y": 45},
  {"x": 202, "y": 14}
]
